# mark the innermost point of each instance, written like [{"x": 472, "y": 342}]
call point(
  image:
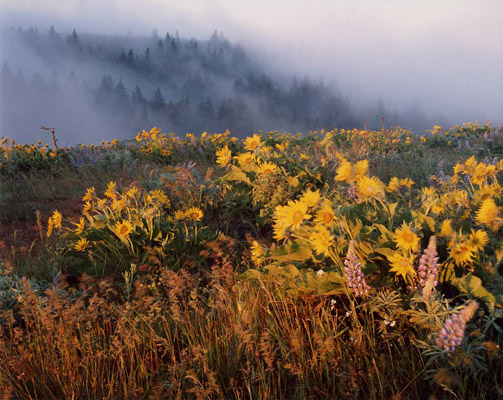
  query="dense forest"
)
[{"x": 93, "y": 86}]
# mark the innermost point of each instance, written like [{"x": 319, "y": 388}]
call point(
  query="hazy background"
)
[{"x": 444, "y": 56}]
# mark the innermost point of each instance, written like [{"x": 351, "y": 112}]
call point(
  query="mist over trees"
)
[{"x": 93, "y": 87}]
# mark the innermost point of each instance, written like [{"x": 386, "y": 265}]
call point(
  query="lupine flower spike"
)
[
  {"x": 428, "y": 264},
  {"x": 453, "y": 331},
  {"x": 354, "y": 274}
]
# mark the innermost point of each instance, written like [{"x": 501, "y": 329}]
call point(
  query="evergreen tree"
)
[
  {"x": 157, "y": 103},
  {"x": 107, "y": 84},
  {"x": 121, "y": 90},
  {"x": 6, "y": 74},
  {"x": 123, "y": 57},
  {"x": 174, "y": 47},
  {"x": 53, "y": 35},
  {"x": 130, "y": 58},
  {"x": 206, "y": 108},
  {"x": 137, "y": 96},
  {"x": 73, "y": 39}
]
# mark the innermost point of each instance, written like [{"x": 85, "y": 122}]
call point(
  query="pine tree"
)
[
  {"x": 137, "y": 96},
  {"x": 157, "y": 103},
  {"x": 107, "y": 84},
  {"x": 73, "y": 39},
  {"x": 53, "y": 35},
  {"x": 123, "y": 57},
  {"x": 6, "y": 74},
  {"x": 121, "y": 90},
  {"x": 130, "y": 58},
  {"x": 174, "y": 46}
]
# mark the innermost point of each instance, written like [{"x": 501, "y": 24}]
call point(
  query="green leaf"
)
[
  {"x": 237, "y": 175},
  {"x": 473, "y": 285}
]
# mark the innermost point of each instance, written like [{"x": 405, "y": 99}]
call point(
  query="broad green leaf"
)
[
  {"x": 237, "y": 175},
  {"x": 473, "y": 285}
]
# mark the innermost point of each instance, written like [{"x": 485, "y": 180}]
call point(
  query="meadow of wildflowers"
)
[{"x": 332, "y": 264}]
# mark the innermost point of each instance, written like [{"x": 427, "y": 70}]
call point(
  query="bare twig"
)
[{"x": 54, "y": 141}]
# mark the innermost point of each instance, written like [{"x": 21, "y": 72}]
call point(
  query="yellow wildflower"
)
[
  {"x": 406, "y": 182},
  {"x": 393, "y": 185},
  {"x": 87, "y": 207},
  {"x": 349, "y": 172},
  {"x": 370, "y": 188},
  {"x": 123, "y": 229},
  {"x": 289, "y": 216},
  {"x": 402, "y": 264},
  {"x": 446, "y": 228},
  {"x": 488, "y": 214},
  {"x": 321, "y": 240},
  {"x": 160, "y": 196},
  {"x": 252, "y": 143},
  {"x": 406, "y": 239},
  {"x": 57, "y": 219},
  {"x": 486, "y": 191},
  {"x": 296, "y": 213},
  {"x": 246, "y": 161},
  {"x": 461, "y": 252},
  {"x": 325, "y": 215},
  {"x": 223, "y": 156},
  {"x": 478, "y": 239},
  {"x": 90, "y": 193},
  {"x": 311, "y": 198},
  {"x": 194, "y": 213},
  {"x": 267, "y": 168},
  {"x": 257, "y": 252},
  {"x": 111, "y": 190},
  {"x": 50, "y": 226},
  {"x": 132, "y": 192},
  {"x": 179, "y": 214},
  {"x": 80, "y": 226},
  {"x": 81, "y": 244}
]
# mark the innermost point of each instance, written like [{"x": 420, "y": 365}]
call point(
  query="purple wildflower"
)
[
  {"x": 428, "y": 264},
  {"x": 352, "y": 191},
  {"x": 354, "y": 274},
  {"x": 453, "y": 331}
]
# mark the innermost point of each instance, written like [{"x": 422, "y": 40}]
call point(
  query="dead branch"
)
[{"x": 54, "y": 141}]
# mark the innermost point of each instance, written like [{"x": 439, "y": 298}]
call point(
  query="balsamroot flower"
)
[
  {"x": 488, "y": 215},
  {"x": 354, "y": 274},
  {"x": 321, "y": 240},
  {"x": 252, "y": 143},
  {"x": 194, "y": 213},
  {"x": 223, "y": 156},
  {"x": 406, "y": 239},
  {"x": 453, "y": 331},
  {"x": 350, "y": 172},
  {"x": 428, "y": 264}
]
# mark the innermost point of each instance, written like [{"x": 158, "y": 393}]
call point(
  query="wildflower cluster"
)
[{"x": 131, "y": 225}]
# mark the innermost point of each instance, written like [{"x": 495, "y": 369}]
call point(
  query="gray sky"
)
[{"x": 446, "y": 55}]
